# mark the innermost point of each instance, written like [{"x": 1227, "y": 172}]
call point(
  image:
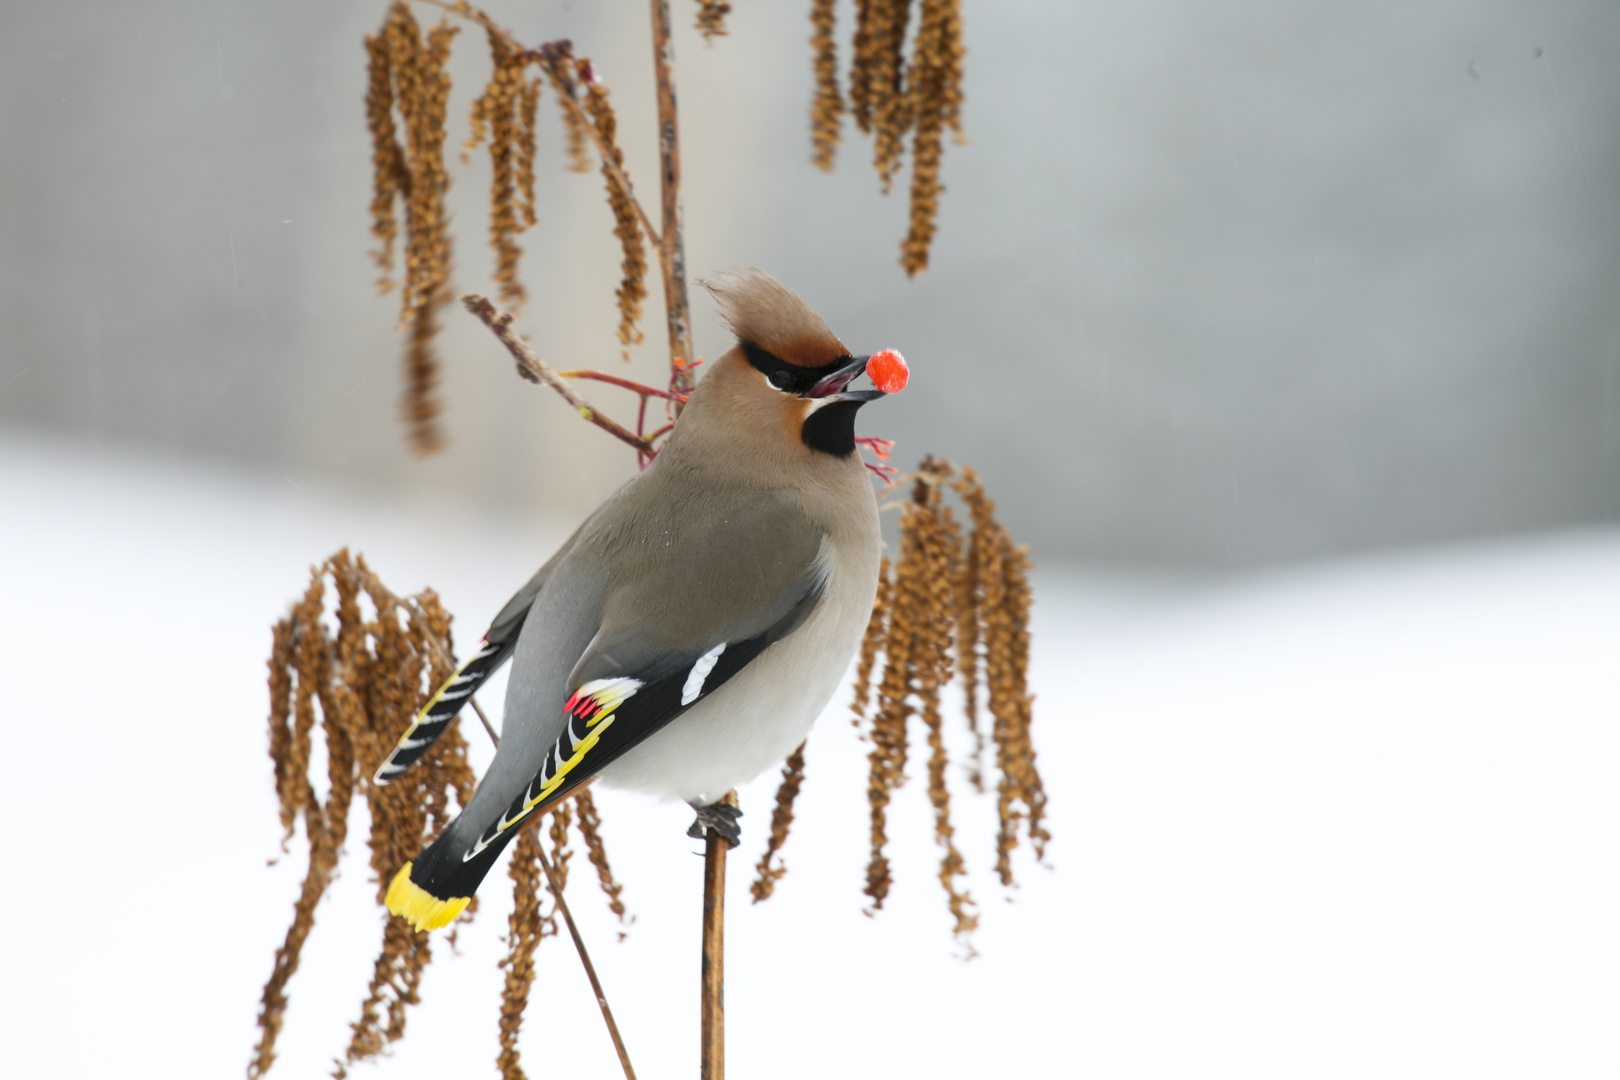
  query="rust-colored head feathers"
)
[{"x": 762, "y": 311}]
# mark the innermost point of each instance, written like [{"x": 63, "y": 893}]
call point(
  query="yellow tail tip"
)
[{"x": 419, "y": 907}]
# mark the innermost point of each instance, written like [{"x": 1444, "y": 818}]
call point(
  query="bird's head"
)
[{"x": 785, "y": 386}]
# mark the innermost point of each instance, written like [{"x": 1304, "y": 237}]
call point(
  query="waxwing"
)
[{"x": 686, "y": 637}]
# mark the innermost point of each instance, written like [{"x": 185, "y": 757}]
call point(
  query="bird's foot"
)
[{"x": 720, "y": 817}]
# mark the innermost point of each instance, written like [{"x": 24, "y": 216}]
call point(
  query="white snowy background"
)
[
  {"x": 1304, "y": 310},
  {"x": 1351, "y": 819}
]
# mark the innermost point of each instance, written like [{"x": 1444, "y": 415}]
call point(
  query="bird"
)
[{"x": 688, "y": 634}]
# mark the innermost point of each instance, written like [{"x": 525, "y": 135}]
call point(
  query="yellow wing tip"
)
[{"x": 419, "y": 907}]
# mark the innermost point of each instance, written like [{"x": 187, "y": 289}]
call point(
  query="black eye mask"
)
[{"x": 786, "y": 377}]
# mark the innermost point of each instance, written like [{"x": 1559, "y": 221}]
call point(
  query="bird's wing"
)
[
  {"x": 746, "y": 575},
  {"x": 691, "y": 591},
  {"x": 495, "y": 649},
  {"x": 607, "y": 717}
]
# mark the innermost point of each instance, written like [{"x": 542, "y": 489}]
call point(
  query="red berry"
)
[{"x": 888, "y": 372}]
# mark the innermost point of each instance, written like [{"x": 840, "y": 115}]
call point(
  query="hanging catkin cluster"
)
[
  {"x": 711, "y": 18},
  {"x": 632, "y": 291},
  {"x": 406, "y": 74},
  {"x": 362, "y": 680},
  {"x": 406, "y": 97},
  {"x": 505, "y": 114},
  {"x": 359, "y": 678},
  {"x": 953, "y": 604},
  {"x": 890, "y": 99}
]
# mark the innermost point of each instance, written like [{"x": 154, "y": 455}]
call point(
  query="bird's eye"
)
[{"x": 780, "y": 379}]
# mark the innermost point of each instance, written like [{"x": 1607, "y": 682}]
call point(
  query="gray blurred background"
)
[{"x": 1215, "y": 284}]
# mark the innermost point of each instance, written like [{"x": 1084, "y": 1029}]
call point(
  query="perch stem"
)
[{"x": 713, "y": 1066}]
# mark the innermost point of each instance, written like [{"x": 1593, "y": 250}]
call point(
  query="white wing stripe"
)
[{"x": 700, "y": 671}]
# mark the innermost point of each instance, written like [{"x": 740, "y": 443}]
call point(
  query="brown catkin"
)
[
  {"x": 498, "y": 114},
  {"x": 281, "y": 731},
  {"x": 970, "y": 621},
  {"x": 306, "y": 667},
  {"x": 363, "y": 684},
  {"x": 388, "y": 175},
  {"x": 407, "y": 73},
  {"x": 393, "y": 668},
  {"x": 590, "y": 826},
  {"x": 872, "y": 642},
  {"x": 711, "y": 18},
  {"x": 937, "y": 542},
  {"x": 877, "y": 81},
  {"x": 781, "y": 821},
  {"x": 908, "y": 623},
  {"x": 632, "y": 289},
  {"x": 934, "y": 99},
  {"x": 557, "y": 60},
  {"x": 956, "y": 605},
  {"x": 1004, "y": 601},
  {"x": 528, "y": 109},
  {"x": 562, "y": 816},
  {"x": 525, "y": 928},
  {"x": 827, "y": 105}
]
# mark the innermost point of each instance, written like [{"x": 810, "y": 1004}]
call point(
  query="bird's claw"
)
[{"x": 720, "y": 817}]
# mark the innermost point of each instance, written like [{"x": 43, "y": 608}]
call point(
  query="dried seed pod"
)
[
  {"x": 956, "y": 603},
  {"x": 877, "y": 628},
  {"x": 558, "y": 64},
  {"x": 781, "y": 821},
  {"x": 388, "y": 174},
  {"x": 632, "y": 291},
  {"x": 525, "y": 928},
  {"x": 827, "y": 106},
  {"x": 877, "y": 88},
  {"x": 934, "y": 93},
  {"x": 406, "y": 72},
  {"x": 590, "y": 825},
  {"x": 711, "y": 18},
  {"x": 362, "y": 684},
  {"x": 503, "y": 115},
  {"x": 1003, "y": 601}
]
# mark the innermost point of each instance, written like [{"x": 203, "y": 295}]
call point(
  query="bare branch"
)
[
  {"x": 531, "y": 367},
  {"x": 672, "y": 251}
]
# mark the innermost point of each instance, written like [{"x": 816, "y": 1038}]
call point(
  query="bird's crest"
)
[{"x": 762, "y": 311}]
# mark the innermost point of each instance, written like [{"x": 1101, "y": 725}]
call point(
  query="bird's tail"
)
[{"x": 432, "y": 890}]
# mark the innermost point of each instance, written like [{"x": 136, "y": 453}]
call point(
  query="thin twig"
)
[
  {"x": 672, "y": 250},
  {"x": 590, "y": 970},
  {"x": 531, "y": 367},
  {"x": 627, "y": 384}
]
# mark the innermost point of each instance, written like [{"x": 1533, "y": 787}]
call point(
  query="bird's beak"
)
[{"x": 834, "y": 384}]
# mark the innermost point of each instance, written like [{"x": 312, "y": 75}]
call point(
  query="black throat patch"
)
[{"x": 831, "y": 428}]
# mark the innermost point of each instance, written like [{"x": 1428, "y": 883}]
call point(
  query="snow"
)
[{"x": 1349, "y": 819}]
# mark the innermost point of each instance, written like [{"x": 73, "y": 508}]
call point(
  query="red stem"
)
[{"x": 639, "y": 388}]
